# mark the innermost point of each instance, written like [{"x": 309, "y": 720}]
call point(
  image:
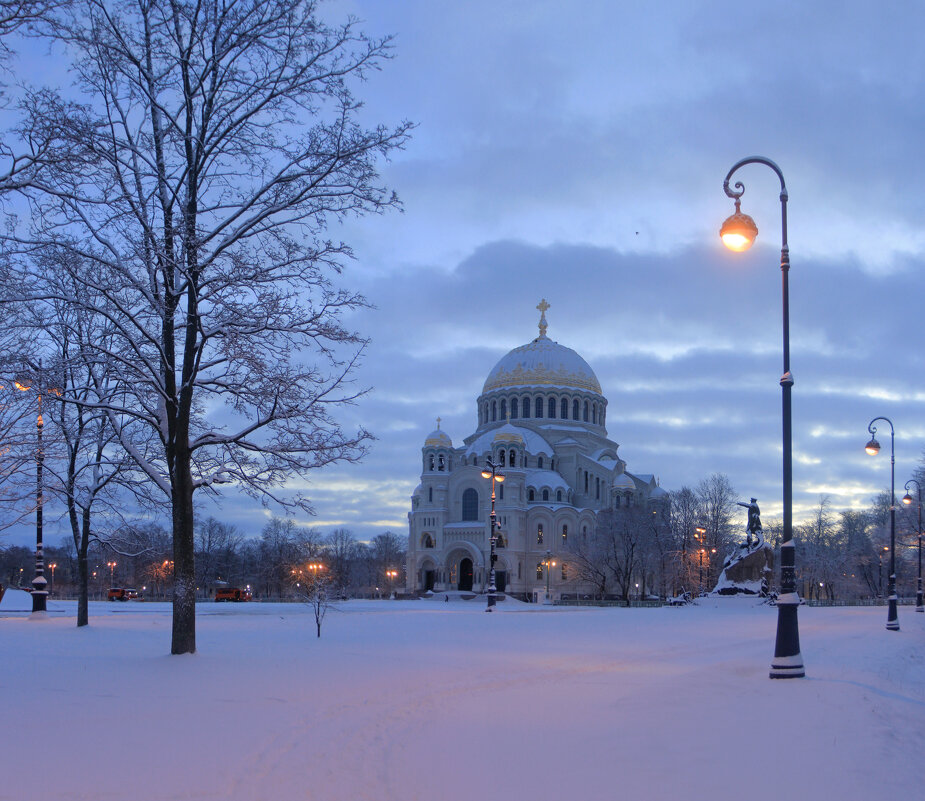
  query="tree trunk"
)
[
  {"x": 83, "y": 590},
  {"x": 184, "y": 584}
]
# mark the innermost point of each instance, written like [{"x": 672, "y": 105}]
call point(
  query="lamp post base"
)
[
  {"x": 788, "y": 661},
  {"x": 892, "y": 615},
  {"x": 919, "y": 606},
  {"x": 39, "y": 601}
]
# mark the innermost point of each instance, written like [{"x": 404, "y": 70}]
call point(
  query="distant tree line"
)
[
  {"x": 662, "y": 550},
  {"x": 275, "y": 565}
]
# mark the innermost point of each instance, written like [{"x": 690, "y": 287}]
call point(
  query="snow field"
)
[{"x": 427, "y": 700}]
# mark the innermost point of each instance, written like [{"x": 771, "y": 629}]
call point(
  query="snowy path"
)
[{"x": 424, "y": 700}]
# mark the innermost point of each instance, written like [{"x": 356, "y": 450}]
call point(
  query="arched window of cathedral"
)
[
  {"x": 530, "y": 496},
  {"x": 539, "y": 570},
  {"x": 501, "y": 489},
  {"x": 594, "y": 414},
  {"x": 586, "y": 411},
  {"x": 539, "y": 533},
  {"x": 617, "y": 502},
  {"x": 551, "y": 408},
  {"x": 539, "y": 462},
  {"x": 539, "y": 407},
  {"x": 513, "y": 408},
  {"x": 430, "y": 494},
  {"x": 552, "y": 464},
  {"x": 565, "y": 571},
  {"x": 441, "y": 463},
  {"x": 501, "y": 542},
  {"x": 428, "y": 541},
  {"x": 575, "y": 409},
  {"x": 597, "y": 488},
  {"x": 501, "y": 457},
  {"x": 431, "y": 463},
  {"x": 545, "y": 494},
  {"x": 563, "y": 409},
  {"x": 564, "y": 532},
  {"x": 513, "y": 461},
  {"x": 470, "y": 504},
  {"x": 494, "y": 411},
  {"x": 558, "y": 496},
  {"x": 584, "y": 532},
  {"x": 503, "y": 409},
  {"x": 526, "y": 410},
  {"x": 586, "y": 482}
]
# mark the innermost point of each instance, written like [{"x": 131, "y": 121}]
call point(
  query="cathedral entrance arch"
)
[{"x": 465, "y": 575}]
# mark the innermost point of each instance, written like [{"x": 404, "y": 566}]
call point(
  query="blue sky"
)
[{"x": 576, "y": 152}]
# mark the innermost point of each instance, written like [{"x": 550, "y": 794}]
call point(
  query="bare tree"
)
[
  {"x": 317, "y": 591},
  {"x": 194, "y": 190},
  {"x": 588, "y": 559},
  {"x": 717, "y": 505}
]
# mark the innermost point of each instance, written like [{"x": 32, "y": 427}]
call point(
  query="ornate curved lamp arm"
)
[{"x": 873, "y": 429}]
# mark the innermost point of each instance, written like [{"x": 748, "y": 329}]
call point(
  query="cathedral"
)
[{"x": 542, "y": 422}]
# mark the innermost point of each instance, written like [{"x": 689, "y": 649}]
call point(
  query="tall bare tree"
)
[{"x": 194, "y": 188}]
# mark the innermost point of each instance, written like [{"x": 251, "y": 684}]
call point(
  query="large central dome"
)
[{"x": 542, "y": 363}]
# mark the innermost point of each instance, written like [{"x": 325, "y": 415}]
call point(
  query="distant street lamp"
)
[
  {"x": 701, "y": 571},
  {"x": 53, "y": 565},
  {"x": 112, "y": 567},
  {"x": 873, "y": 448},
  {"x": 907, "y": 499},
  {"x": 391, "y": 574},
  {"x": 738, "y": 233},
  {"x": 35, "y": 380},
  {"x": 549, "y": 562},
  {"x": 880, "y": 570},
  {"x": 491, "y": 471}
]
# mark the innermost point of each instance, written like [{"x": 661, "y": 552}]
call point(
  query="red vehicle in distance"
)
[{"x": 232, "y": 594}]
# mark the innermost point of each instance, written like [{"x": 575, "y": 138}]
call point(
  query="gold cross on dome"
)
[
  {"x": 438, "y": 424},
  {"x": 541, "y": 307}
]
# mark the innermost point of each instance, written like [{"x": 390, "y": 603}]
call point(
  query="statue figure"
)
[{"x": 754, "y": 522}]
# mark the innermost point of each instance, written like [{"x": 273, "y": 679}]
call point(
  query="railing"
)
[
  {"x": 633, "y": 603},
  {"x": 857, "y": 602}
]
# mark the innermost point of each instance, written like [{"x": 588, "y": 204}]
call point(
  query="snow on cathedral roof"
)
[
  {"x": 545, "y": 478},
  {"x": 532, "y": 441},
  {"x": 542, "y": 363}
]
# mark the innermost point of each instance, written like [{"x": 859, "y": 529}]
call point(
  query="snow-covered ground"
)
[{"x": 432, "y": 700}]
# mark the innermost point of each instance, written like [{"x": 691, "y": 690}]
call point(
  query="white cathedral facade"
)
[{"x": 542, "y": 421}]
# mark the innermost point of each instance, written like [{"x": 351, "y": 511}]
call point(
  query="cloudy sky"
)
[{"x": 576, "y": 152}]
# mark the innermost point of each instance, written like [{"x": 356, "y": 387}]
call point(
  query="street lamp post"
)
[
  {"x": 53, "y": 565},
  {"x": 738, "y": 233},
  {"x": 700, "y": 592},
  {"x": 907, "y": 499},
  {"x": 491, "y": 471},
  {"x": 873, "y": 448},
  {"x": 39, "y": 583},
  {"x": 112, "y": 567},
  {"x": 391, "y": 574},
  {"x": 549, "y": 563}
]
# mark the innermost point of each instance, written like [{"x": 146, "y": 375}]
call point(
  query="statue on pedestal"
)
[{"x": 748, "y": 568}]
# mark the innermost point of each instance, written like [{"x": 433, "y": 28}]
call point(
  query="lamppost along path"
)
[
  {"x": 907, "y": 499},
  {"x": 491, "y": 471},
  {"x": 738, "y": 233},
  {"x": 35, "y": 379},
  {"x": 873, "y": 448}
]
